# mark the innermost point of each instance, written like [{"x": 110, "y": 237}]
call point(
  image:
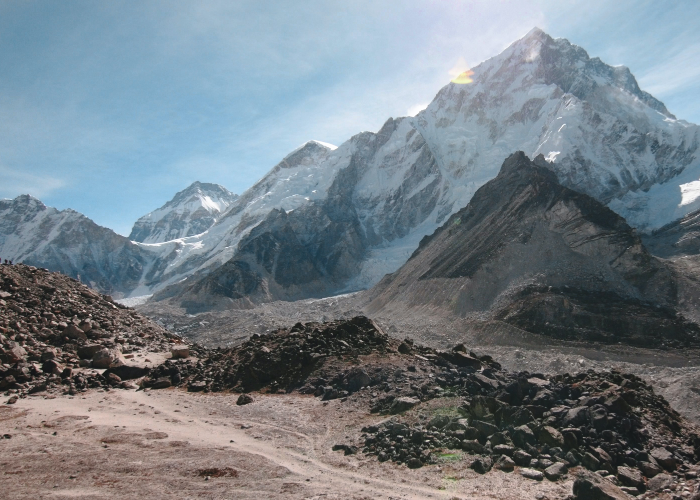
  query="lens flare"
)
[{"x": 463, "y": 77}]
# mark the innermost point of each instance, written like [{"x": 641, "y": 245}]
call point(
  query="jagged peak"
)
[{"x": 25, "y": 200}]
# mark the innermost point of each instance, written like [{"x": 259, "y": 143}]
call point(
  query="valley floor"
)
[
  {"x": 674, "y": 374},
  {"x": 174, "y": 444}
]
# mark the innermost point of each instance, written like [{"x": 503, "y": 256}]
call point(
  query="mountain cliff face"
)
[
  {"x": 528, "y": 251},
  {"x": 69, "y": 242},
  {"x": 191, "y": 211}
]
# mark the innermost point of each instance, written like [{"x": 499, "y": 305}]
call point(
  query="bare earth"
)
[{"x": 173, "y": 444}]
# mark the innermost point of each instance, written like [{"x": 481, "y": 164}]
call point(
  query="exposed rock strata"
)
[{"x": 538, "y": 255}]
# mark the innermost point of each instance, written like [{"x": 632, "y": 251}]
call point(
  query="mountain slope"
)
[
  {"x": 191, "y": 211},
  {"x": 528, "y": 251},
  {"x": 68, "y": 242}
]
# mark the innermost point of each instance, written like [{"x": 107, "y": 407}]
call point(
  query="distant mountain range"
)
[{"x": 327, "y": 220}]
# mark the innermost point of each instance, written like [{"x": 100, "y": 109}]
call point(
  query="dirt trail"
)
[{"x": 118, "y": 444}]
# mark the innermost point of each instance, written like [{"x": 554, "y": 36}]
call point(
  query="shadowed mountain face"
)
[
  {"x": 679, "y": 238},
  {"x": 528, "y": 251}
]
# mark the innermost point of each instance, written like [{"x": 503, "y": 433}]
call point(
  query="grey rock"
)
[
  {"x": 403, "y": 404},
  {"x": 531, "y": 474},
  {"x": 504, "y": 463},
  {"x": 522, "y": 458},
  {"x": 589, "y": 486},
  {"x": 481, "y": 465},
  {"x": 664, "y": 458},
  {"x": 555, "y": 471},
  {"x": 630, "y": 477},
  {"x": 660, "y": 482},
  {"x": 244, "y": 399}
]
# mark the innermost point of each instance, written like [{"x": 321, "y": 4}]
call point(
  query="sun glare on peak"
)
[{"x": 463, "y": 77}]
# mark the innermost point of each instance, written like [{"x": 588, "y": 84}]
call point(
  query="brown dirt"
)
[{"x": 173, "y": 444}]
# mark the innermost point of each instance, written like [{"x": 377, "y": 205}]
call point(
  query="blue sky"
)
[{"x": 109, "y": 108}]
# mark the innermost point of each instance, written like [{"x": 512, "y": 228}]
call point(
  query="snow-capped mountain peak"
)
[{"x": 191, "y": 211}]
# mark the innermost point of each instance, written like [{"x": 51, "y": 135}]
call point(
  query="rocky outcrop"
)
[
  {"x": 677, "y": 239},
  {"x": 533, "y": 253}
]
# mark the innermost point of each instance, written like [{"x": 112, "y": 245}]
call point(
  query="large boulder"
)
[
  {"x": 589, "y": 486},
  {"x": 403, "y": 404},
  {"x": 107, "y": 358}
]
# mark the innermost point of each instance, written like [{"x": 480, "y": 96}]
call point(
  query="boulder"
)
[
  {"x": 589, "y": 486},
  {"x": 481, "y": 465},
  {"x": 106, "y": 358},
  {"x": 550, "y": 436},
  {"x": 88, "y": 351},
  {"x": 504, "y": 463},
  {"x": 590, "y": 462},
  {"x": 522, "y": 458},
  {"x": 660, "y": 482},
  {"x": 523, "y": 436},
  {"x": 180, "y": 352},
  {"x": 630, "y": 477},
  {"x": 357, "y": 379},
  {"x": 161, "y": 383},
  {"x": 472, "y": 446},
  {"x": 14, "y": 353},
  {"x": 403, "y": 404},
  {"x": 485, "y": 428},
  {"x": 555, "y": 471},
  {"x": 664, "y": 458},
  {"x": 531, "y": 474},
  {"x": 52, "y": 367},
  {"x": 649, "y": 469},
  {"x": 576, "y": 417},
  {"x": 73, "y": 332},
  {"x": 246, "y": 399}
]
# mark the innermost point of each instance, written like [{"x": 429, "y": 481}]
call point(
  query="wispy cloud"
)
[
  {"x": 15, "y": 182},
  {"x": 416, "y": 108},
  {"x": 675, "y": 74}
]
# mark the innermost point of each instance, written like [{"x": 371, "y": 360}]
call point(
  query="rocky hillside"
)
[
  {"x": 542, "y": 257},
  {"x": 191, "y": 211},
  {"x": 447, "y": 401},
  {"x": 55, "y": 333}
]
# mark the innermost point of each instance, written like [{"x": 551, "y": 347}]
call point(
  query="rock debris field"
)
[{"x": 448, "y": 423}]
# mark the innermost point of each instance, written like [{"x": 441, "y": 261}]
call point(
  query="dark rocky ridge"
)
[{"x": 540, "y": 256}]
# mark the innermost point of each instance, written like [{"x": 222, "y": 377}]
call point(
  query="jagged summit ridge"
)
[{"x": 191, "y": 211}]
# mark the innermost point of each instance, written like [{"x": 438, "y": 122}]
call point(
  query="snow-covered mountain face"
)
[
  {"x": 358, "y": 211},
  {"x": 191, "y": 211},
  {"x": 68, "y": 242},
  {"x": 603, "y": 136}
]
